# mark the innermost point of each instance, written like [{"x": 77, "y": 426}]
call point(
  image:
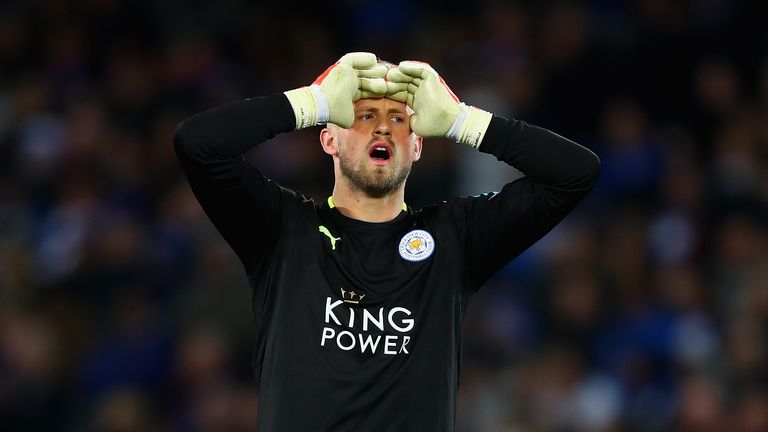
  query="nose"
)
[{"x": 382, "y": 128}]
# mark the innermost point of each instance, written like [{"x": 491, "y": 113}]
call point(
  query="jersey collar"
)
[{"x": 332, "y": 205}]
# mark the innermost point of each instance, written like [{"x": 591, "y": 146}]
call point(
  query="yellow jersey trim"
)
[{"x": 332, "y": 205}]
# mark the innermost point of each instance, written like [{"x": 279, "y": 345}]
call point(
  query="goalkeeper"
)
[{"x": 359, "y": 298}]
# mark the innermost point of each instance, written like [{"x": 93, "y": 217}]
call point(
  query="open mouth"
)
[{"x": 379, "y": 152}]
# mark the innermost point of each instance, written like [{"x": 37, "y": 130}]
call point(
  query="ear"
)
[
  {"x": 417, "y": 146},
  {"x": 329, "y": 142}
]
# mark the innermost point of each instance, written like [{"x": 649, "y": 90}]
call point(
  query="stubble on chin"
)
[{"x": 376, "y": 183}]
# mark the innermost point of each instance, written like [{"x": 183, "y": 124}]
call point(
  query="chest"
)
[{"x": 374, "y": 292}]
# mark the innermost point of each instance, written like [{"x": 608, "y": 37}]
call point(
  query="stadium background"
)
[{"x": 647, "y": 310}]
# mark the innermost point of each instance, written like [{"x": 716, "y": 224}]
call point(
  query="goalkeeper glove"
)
[
  {"x": 437, "y": 110},
  {"x": 330, "y": 98}
]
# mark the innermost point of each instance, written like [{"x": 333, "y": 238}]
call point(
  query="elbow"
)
[
  {"x": 588, "y": 174},
  {"x": 181, "y": 138},
  {"x": 188, "y": 140},
  {"x": 594, "y": 170},
  {"x": 194, "y": 138}
]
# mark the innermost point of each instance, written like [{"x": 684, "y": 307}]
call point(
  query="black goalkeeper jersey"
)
[{"x": 358, "y": 324}]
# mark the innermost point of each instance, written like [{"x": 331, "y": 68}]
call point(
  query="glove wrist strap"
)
[
  {"x": 323, "y": 113},
  {"x": 453, "y": 132},
  {"x": 470, "y": 126},
  {"x": 309, "y": 105}
]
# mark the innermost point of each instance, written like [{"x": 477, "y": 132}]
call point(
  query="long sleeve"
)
[
  {"x": 243, "y": 205},
  {"x": 499, "y": 226}
]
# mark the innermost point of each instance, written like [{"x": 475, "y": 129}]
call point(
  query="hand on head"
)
[{"x": 437, "y": 110}]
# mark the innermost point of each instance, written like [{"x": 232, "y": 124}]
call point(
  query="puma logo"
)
[{"x": 333, "y": 239}]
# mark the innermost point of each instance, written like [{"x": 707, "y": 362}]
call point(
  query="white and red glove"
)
[
  {"x": 437, "y": 110},
  {"x": 330, "y": 98}
]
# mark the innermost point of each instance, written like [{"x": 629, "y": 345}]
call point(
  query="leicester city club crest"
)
[{"x": 416, "y": 245}]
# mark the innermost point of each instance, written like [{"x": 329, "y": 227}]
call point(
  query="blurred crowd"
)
[{"x": 122, "y": 310}]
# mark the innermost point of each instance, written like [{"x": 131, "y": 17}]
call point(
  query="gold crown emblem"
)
[{"x": 351, "y": 296}]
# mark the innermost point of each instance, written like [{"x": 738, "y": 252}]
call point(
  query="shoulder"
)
[{"x": 458, "y": 203}]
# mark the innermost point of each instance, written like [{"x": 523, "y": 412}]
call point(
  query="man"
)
[{"x": 359, "y": 299}]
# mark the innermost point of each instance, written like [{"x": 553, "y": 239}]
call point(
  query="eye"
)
[
  {"x": 397, "y": 119},
  {"x": 366, "y": 116}
]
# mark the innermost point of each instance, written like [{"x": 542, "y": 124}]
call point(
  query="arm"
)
[
  {"x": 559, "y": 173},
  {"x": 497, "y": 227},
  {"x": 244, "y": 206}
]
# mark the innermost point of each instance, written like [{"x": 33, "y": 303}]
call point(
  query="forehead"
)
[{"x": 381, "y": 104}]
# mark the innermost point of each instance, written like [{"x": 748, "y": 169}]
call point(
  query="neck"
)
[{"x": 356, "y": 204}]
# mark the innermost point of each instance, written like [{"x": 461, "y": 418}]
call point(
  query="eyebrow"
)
[{"x": 374, "y": 109}]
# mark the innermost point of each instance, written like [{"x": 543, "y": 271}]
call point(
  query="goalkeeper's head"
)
[{"x": 376, "y": 153}]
